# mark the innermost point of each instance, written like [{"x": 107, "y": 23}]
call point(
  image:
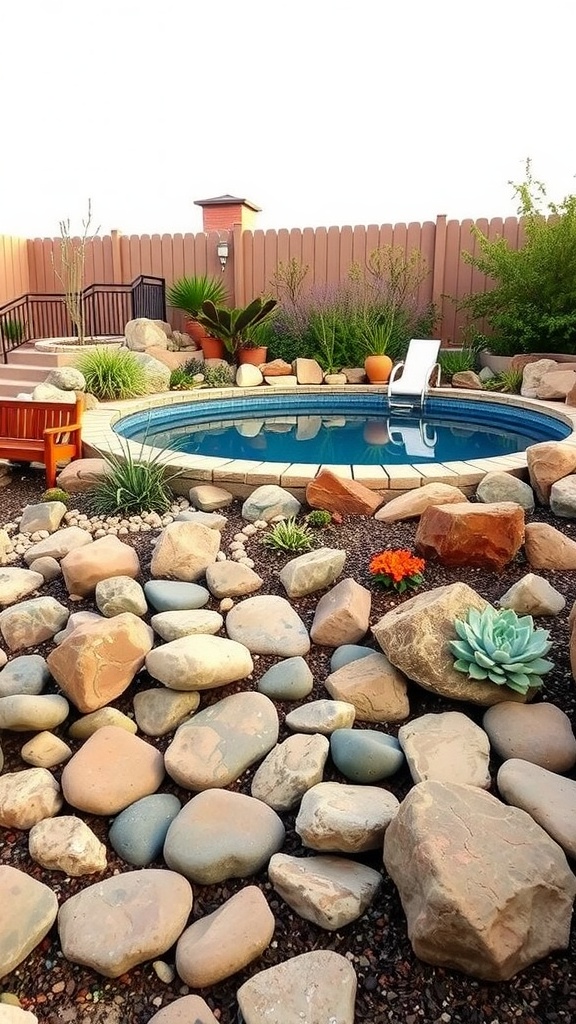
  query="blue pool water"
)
[{"x": 338, "y": 429}]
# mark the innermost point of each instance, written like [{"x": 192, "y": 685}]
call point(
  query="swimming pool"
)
[{"x": 329, "y": 429}]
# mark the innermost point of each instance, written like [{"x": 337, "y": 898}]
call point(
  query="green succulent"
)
[
  {"x": 289, "y": 535},
  {"x": 501, "y": 647}
]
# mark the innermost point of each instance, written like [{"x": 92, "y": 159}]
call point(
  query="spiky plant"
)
[
  {"x": 289, "y": 535},
  {"x": 112, "y": 374},
  {"x": 509, "y": 381},
  {"x": 500, "y": 647}
]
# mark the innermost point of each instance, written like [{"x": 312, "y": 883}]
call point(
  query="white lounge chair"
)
[
  {"x": 417, "y": 440},
  {"x": 410, "y": 389}
]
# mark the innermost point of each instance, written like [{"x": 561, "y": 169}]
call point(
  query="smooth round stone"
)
[
  {"x": 28, "y": 673},
  {"x": 138, "y": 833},
  {"x": 86, "y": 726},
  {"x": 268, "y": 625},
  {"x": 160, "y": 711},
  {"x": 290, "y": 679},
  {"x": 29, "y": 713},
  {"x": 347, "y": 653},
  {"x": 174, "y": 595},
  {"x": 539, "y": 733},
  {"x": 189, "y": 622},
  {"x": 365, "y": 755},
  {"x": 45, "y": 750},
  {"x": 323, "y": 716}
]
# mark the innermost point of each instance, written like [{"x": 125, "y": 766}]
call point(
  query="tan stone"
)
[
  {"x": 87, "y": 725},
  {"x": 533, "y": 595},
  {"x": 484, "y": 535},
  {"x": 539, "y": 733},
  {"x": 412, "y": 503},
  {"x": 208, "y": 498},
  {"x": 374, "y": 687},
  {"x": 67, "y": 844},
  {"x": 96, "y": 663},
  {"x": 415, "y": 635},
  {"x": 28, "y": 796},
  {"x": 329, "y": 891},
  {"x": 533, "y": 373},
  {"x": 84, "y": 567},
  {"x": 30, "y": 622},
  {"x": 45, "y": 750},
  {"x": 548, "y": 548},
  {"x": 468, "y": 380},
  {"x": 307, "y": 371},
  {"x": 447, "y": 747},
  {"x": 556, "y": 385},
  {"x": 29, "y": 909},
  {"x": 183, "y": 1011},
  {"x": 445, "y": 850},
  {"x": 291, "y": 768},
  {"x": 548, "y": 462},
  {"x": 111, "y": 770},
  {"x": 342, "y": 818},
  {"x": 58, "y": 544},
  {"x": 277, "y": 368},
  {"x": 142, "y": 334},
  {"x": 82, "y": 474},
  {"x": 338, "y": 494},
  {"x": 315, "y": 988},
  {"x": 222, "y": 943},
  {"x": 342, "y": 615},
  {"x": 549, "y": 798},
  {"x": 184, "y": 551}
]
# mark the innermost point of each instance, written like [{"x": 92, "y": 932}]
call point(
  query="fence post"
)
[
  {"x": 238, "y": 298},
  {"x": 438, "y": 267},
  {"x": 117, "y": 274}
]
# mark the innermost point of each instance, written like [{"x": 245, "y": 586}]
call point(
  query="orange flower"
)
[{"x": 397, "y": 568}]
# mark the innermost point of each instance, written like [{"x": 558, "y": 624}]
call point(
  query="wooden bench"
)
[{"x": 40, "y": 432}]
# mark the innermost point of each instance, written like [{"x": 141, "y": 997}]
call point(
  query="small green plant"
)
[
  {"x": 236, "y": 326},
  {"x": 112, "y": 374},
  {"x": 132, "y": 485},
  {"x": 56, "y": 494},
  {"x": 289, "y": 536},
  {"x": 457, "y": 361},
  {"x": 188, "y": 293},
  {"x": 219, "y": 376},
  {"x": 181, "y": 380},
  {"x": 500, "y": 647},
  {"x": 193, "y": 366},
  {"x": 319, "y": 518},
  {"x": 509, "y": 381}
]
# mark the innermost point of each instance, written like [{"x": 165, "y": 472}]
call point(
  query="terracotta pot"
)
[
  {"x": 195, "y": 330},
  {"x": 254, "y": 356},
  {"x": 378, "y": 369},
  {"x": 213, "y": 348}
]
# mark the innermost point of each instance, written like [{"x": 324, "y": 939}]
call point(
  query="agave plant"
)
[{"x": 501, "y": 647}]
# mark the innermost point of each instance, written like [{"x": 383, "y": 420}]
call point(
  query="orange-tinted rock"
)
[
  {"x": 338, "y": 494},
  {"x": 96, "y": 663},
  {"x": 277, "y": 368},
  {"x": 84, "y": 567},
  {"x": 548, "y": 462},
  {"x": 488, "y": 536},
  {"x": 547, "y": 548},
  {"x": 557, "y": 384},
  {"x": 111, "y": 770}
]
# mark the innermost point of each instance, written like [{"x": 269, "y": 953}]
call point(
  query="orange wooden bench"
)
[{"x": 40, "y": 432}]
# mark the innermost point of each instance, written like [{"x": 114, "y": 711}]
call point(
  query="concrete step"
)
[
  {"x": 12, "y": 388},
  {"x": 24, "y": 371},
  {"x": 30, "y": 356}
]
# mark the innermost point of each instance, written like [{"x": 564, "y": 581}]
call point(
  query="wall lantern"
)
[{"x": 223, "y": 253}]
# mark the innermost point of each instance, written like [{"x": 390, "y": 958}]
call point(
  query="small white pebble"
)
[
  {"x": 73, "y": 521},
  {"x": 20, "y": 549},
  {"x": 249, "y": 530},
  {"x": 75, "y": 597},
  {"x": 226, "y": 604},
  {"x": 145, "y": 528},
  {"x": 221, "y": 556},
  {"x": 247, "y": 561},
  {"x": 237, "y": 556},
  {"x": 112, "y": 531},
  {"x": 164, "y": 971},
  {"x": 82, "y": 518},
  {"x": 100, "y": 533},
  {"x": 261, "y": 524},
  {"x": 239, "y": 538},
  {"x": 237, "y": 545},
  {"x": 166, "y": 520},
  {"x": 85, "y": 526},
  {"x": 123, "y": 531},
  {"x": 136, "y": 519},
  {"x": 133, "y": 528}
]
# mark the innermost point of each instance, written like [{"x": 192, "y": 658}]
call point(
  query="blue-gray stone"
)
[
  {"x": 290, "y": 679},
  {"x": 175, "y": 596},
  {"x": 365, "y": 755},
  {"x": 347, "y": 653},
  {"x": 138, "y": 833},
  {"x": 27, "y": 674}
]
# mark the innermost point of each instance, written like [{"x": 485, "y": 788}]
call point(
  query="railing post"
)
[{"x": 438, "y": 267}]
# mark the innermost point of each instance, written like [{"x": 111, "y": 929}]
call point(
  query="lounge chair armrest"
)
[{"x": 395, "y": 370}]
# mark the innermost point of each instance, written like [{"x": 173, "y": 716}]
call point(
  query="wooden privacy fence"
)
[{"x": 32, "y": 265}]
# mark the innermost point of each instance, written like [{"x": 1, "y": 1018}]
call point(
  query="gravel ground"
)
[{"x": 393, "y": 986}]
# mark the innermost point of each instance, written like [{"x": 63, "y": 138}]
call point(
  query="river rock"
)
[
  {"x": 29, "y": 909},
  {"x": 120, "y": 594},
  {"x": 291, "y": 768},
  {"x": 84, "y": 567},
  {"x": 232, "y": 579},
  {"x": 111, "y": 770},
  {"x": 222, "y": 943},
  {"x": 290, "y": 679},
  {"x": 347, "y": 653},
  {"x": 175, "y": 596},
  {"x": 539, "y": 733},
  {"x": 546, "y": 548},
  {"x": 323, "y": 716},
  {"x": 547, "y": 797},
  {"x": 219, "y": 834},
  {"x": 140, "y": 915},
  {"x": 27, "y": 673},
  {"x": 365, "y": 755},
  {"x": 337, "y": 817},
  {"x": 174, "y": 625},
  {"x": 446, "y": 747},
  {"x": 87, "y": 725},
  {"x": 44, "y": 516},
  {"x": 533, "y": 595},
  {"x": 31, "y": 622},
  {"x": 58, "y": 544},
  {"x": 268, "y": 625},
  {"x": 342, "y": 615},
  {"x": 99, "y": 660},
  {"x": 269, "y": 501},
  {"x": 497, "y": 487},
  {"x": 377, "y": 690},
  {"x": 548, "y": 462},
  {"x": 317, "y": 987},
  {"x": 213, "y": 520},
  {"x": 412, "y": 504},
  {"x": 482, "y": 535},
  {"x": 199, "y": 662},
  {"x": 45, "y": 750},
  {"x": 208, "y": 498},
  {"x": 138, "y": 833},
  {"x": 160, "y": 711},
  {"x": 30, "y": 713},
  {"x": 312, "y": 571},
  {"x": 26, "y": 797},
  {"x": 48, "y": 568},
  {"x": 556, "y": 384},
  {"x": 563, "y": 497},
  {"x": 445, "y": 850},
  {"x": 184, "y": 551},
  {"x": 184, "y": 1011},
  {"x": 67, "y": 844},
  {"x": 76, "y": 619},
  {"x": 533, "y": 374},
  {"x": 15, "y": 584},
  {"x": 219, "y": 743},
  {"x": 329, "y": 891}
]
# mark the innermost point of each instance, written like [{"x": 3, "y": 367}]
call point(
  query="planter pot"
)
[
  {"x": 495, "y": 363},
  {"x": 254, "y": 356},
  {"x": 213, "y": 348},
  {"x": 378, "y": 369}
]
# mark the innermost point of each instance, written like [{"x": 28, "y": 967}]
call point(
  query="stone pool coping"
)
[{"x": 241, "y": 476}]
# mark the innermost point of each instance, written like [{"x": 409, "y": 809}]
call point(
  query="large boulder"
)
[
  {"x": 412, "y": 504},
  {"x": 85, "y": 567},
  {"x": 548, "y": 462},
  {"x": 184, "y": 551},
  {"x": 488, "y": 536},
  {"x": 142, "y": 334},
  {"x": 484, "y": 889},
  {"x": 548, "y": 548},
  {"x": 556, "y": 385},
  {"x": 533, "y": 374},
  {"x": 339, "y": 494}
]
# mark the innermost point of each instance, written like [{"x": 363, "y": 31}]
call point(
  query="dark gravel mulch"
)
[{"x": 393, "y": 985}]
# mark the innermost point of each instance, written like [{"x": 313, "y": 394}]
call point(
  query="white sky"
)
[{"x": 320, "y": 111}]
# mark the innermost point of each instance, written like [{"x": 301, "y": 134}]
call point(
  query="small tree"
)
[
  {"x": 71, "y": 277},
  {"x": 532, "y": 307}
]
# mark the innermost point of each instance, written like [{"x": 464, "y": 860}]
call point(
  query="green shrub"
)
[
  {"x": 112, "y": 374},
  {"x": 500, "y": 647},
  {"x": 193, "y": 366},
  {"x": 181, "y": 380},
  {"x": 319, "y": 518},
  {"x": 532, "y": 306},
  {"x": 457, "y": 361},
  {"x": 509, "y": 381},
  {"x": 12, "y": 329},
  {"x": 56, "y": 494},
  {"x": 132, "y": 485},
  {"x": 289, "y": 536},
  {"x": 218, "y": 376}
]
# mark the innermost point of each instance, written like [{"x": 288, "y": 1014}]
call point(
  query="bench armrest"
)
[{"x": 67, "y": 428}]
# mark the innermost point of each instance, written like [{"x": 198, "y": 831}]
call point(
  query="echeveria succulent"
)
[{"x": 500, "y": 647}]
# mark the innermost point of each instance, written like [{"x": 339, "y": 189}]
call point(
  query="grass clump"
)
[
  {"x": 219, "y": 376},
  {"x": 131, "y": 486},
  {"x": 181, "y": 380},
  {"x": 112, "y": 374},
  {"x": 290, "y": 536},
  {"x": 319, "y": 518},
  {"x": 457, "y": 361},
  {"x": 509, "y": 381},
  {"x": 56, "y": 494}
]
